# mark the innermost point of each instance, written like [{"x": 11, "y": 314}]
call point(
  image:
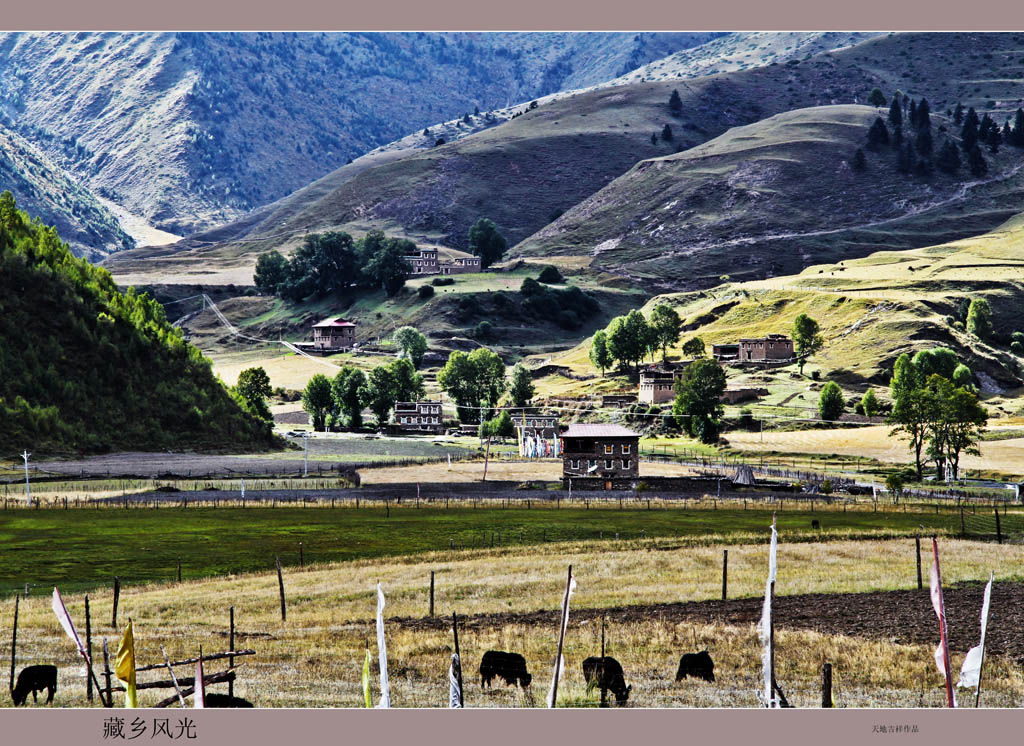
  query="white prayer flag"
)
[
  {"x": 455, "y": 682},
  {"x": 560, "y": 667},
  {"x": 764, "y": 627},
  {"x": 941, "y": 652},
  {"x": 199, "y": 694},
  {"x": 970, "y": 672},
  {"x": 385, "y": 694},
  {"x": 65, "y": 621}
]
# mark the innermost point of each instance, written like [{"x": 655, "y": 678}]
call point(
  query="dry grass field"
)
[
  {"x": 497, "y": 470},
  {"x": 1005, "y": 456},
  {"x": 315, "y": 657}
]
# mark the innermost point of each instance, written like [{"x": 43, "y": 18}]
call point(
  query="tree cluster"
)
[
  {"x": 341, "y": 400},
  {"x": 628, "y": 339},
  {"x": 698, "y": 406},
  {"x": 569, "y": 308},
  {"x": 333, "y": 262},
  {"x": 936, "y": 407},
  {"x": 475, "y": 381}
]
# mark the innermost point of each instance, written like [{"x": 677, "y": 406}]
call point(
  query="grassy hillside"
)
[
  {"x": 771, "y": 197},
  {"x": 86, "y": 368},
  {"x": 44, "y": 190}
]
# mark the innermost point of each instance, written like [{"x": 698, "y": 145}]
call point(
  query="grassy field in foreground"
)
[
  {"x": 145, "y": 545},
  {"x": 315, "y": 657}
]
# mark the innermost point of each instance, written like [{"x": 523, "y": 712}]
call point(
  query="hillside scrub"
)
[{"x": 85, "y": 368}]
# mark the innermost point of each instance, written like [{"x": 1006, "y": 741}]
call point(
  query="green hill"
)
[
  {"x": 85, "y": 368},
  {"x": 774, "y": 196}
]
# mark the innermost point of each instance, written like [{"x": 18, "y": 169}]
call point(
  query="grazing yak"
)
[
  {"x": 226, "y": 700},
  {"x": 34, "y": 679},
  {"x": 699, "y": 665},
  {"x": 606, "y": 674},
  {"x": 508, "y": 666}
]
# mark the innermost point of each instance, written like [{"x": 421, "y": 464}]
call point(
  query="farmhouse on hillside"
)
[
  {"x": 600, "y": 453},
  {"x": 657, "y": 386},
  {"x": 772, "y": 348},
  {"x": 418, "y": 417},
  {"x": 334, "y": 335},
  {"x": 532, "y": 424},
  {"x": 428, "y": 261}
]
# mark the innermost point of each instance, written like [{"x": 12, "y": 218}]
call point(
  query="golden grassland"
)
[
  {"x": 315, "y": 657},
  {"x": 549, "y": 470}
]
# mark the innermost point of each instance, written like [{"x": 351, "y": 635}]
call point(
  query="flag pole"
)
[
  {"x": 458, "y": 674},
  {"x": 771, "y": 630},
  {"x": 561, "y": 638},
  {"x": 942, "y": 625},
  {"x": 981, "y": 664}
]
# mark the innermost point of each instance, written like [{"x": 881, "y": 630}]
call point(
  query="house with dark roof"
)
[{"x": 599, "y": 451}]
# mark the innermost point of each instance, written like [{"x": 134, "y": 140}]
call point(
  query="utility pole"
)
[
  {"x": 305, "y": 438},
  {"x": 28, "y": 489}
]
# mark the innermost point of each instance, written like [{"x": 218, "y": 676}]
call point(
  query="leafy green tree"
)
[
  {"x": 317, "y": 400},
  {"x": 869, "y": 402},
  {"x": 698, "y": 407},
  {"x": 667, "y": 325},
  {"x": 905, "y": 377},
  {"x": 324, "y": 263},
  {"x": 878, "y": 134},
  {"x": 675, "y": 104},
  {"x": 628, "y": 337},
  {"x": 806, "y": 338},
  {"x": 694, "y": 348},
  {"x": 979, "y": 318},
  {"x": 254, "y": 388},
  {"x": 830, "y": 403},
  {"x": 501, "y": 426},
  {"x": 271, "y": 271},
  {"x": 894, "y": 485},
  {"x": 490, "y": 376},
  {"x": 521, "y": 389},
  {"x": 379, "y": 393},
  {"x": 408, "y": 383},
  {"x": 895, "y": 112},
  {"x": 550, "y": 276},
  {"x": 599, "y": 354},
  {"x": 411, "y": 343},
  {"x": 957, "y": 424},
  {"x": 912, "y": 412},
  {"x": 346, "y": 389},
  {"x": 475, "y": 381},
  {"x": 962, "y": 376},
  {"x": 388, "y": 266},
  {"x": 9, "y": 218},
  {"x": 937, "y": 360},
  {"x": 486, "y": 242},
  {"x": 877, "y": 98}
]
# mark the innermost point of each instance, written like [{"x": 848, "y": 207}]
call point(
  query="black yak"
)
[
  {"x": 225, "y": 700},
  {"x": 34, "y": 679},
  {"x": 699, "y": 665},
  {"x": 606, "y": 674},
  {"x": 509, "y": 666}
]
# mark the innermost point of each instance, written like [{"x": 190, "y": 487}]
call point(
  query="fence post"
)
[
  {"x": 826, "y": 685},
  {"x": 431, "y": 593},
  {"x": 14, "y": 637},
  {"x": 179, "y": 570},
  {"x": 231, "y": 647},
  {"x": 106, "y": 675},
  {"x": 962, "y": 531},
  {"x": 725, "y": 573},
  {"x": 301, "y": 560},
  {"x": 117, "y": 595},
  {"x": 999, "y": 529},
  {"x": 280, "y": 583},
  {"x": 88, "y": 649},
  {"x": 917, "y": 542}
]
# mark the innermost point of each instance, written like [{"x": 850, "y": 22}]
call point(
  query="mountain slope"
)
[
  {"x": 523, "y": 172},
  {"x": 44, "y": 190},
  {"x": 85, "y": 368},
  {"x": 771, "y": 198},
  {"x": 191, "y": 130}
]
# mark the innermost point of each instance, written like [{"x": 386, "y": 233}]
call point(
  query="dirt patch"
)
[{"x": 901, "y": 617}]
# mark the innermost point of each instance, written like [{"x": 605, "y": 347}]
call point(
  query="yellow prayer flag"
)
[
  {"x": 366, "y": 680},
  {"x": 125, "y": 669}
]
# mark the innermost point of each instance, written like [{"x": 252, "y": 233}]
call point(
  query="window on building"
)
[
  {"x": 609, "y": 449},
  {"x": 625, "y": 448},
  {"x": 592, "y": 463},
  {"x": 608, "y": 463},
  {"x": 626, "y": 463}
]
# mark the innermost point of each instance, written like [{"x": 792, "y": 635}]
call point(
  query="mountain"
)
[
  {"x": 84, "y": 368},
  {"x": 525, "y": 172},
  {"x": 774, "y": 196},
  {"x": 188, "y": 130},
  {"x": 44, "y": 190}
]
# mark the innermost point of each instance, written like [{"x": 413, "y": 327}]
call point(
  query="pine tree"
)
[
  {"x": 976, "y": 161},
  {"x": 994, "y": 139},
  {"x": 969, "y": 133},
  {"x": 675, "y": 104},
  {"x": 895, "y": 113},
  {"x": 666, "y": 133},
  {"x": 897, "y": 136},
  {"x": 985, "y": 127},
  {"x": 905, "y": 163},
  {"x": 924, "y": 120},
  {"x": 958, "y": 115},
  {"x": 1018, "y": 129},
  {"x": 858, "y": 161},
  {"x": 913, "y": 113},
  {"x": 948, "y": 159},
  {"x": 924, "y": 142},
  {"x": 879, "y": 133}
]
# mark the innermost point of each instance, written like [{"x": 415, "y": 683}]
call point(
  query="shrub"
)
[
  {"x": 830, "y": 403},
  {"x": 550, "y": 276},
  {"x": 425, "y": 291},
  {"x": 826, "y": 487},
  {"x": 894, "y": 484},
  {"x": 439, "y": 281},
  {"x": 484, "y": 330}
]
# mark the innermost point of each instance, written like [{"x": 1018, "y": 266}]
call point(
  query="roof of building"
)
[
  {"x": 420, "y": 403},
  {"x": 598, "y": 430},
  {"x": 335, "y": 321}
]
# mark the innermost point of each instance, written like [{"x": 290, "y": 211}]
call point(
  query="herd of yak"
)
[{"x": 604, "y": 673}]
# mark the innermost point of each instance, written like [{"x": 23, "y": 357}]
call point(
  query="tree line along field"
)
[{"x": 659, "y": 597}]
